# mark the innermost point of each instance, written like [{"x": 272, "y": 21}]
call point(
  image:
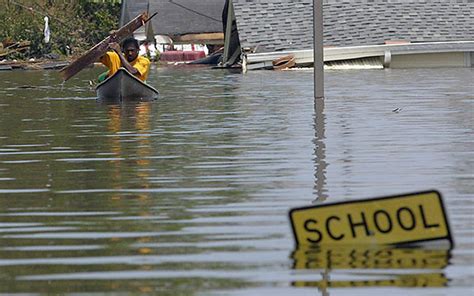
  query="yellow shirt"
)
[{"x": 112, "y": 61}]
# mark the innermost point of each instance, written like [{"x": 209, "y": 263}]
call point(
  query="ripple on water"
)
[{"x": 191, "y": 193}]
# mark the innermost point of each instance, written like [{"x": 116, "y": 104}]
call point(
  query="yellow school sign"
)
[{"x": 410, "y": 218}]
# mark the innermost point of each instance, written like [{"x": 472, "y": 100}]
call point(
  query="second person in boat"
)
[{"x": 126, "y": 57}]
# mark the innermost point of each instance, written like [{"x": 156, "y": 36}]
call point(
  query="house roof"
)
[
  {"x": 178, "y": 17},
  {"x": 275, "y": 25}
]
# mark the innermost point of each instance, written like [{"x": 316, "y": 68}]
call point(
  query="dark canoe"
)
[{"x": 123, "y": 86}]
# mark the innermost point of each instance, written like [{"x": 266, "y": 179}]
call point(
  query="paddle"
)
[{"x": 100, "y": 48}]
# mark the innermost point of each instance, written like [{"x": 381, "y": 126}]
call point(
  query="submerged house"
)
[
  {"x": 395, "y": 33},
  {"x": 365, "y": 33},
  {"x": 179, "y": 21}
]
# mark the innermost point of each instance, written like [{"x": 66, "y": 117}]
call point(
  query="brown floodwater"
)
[{"x": 190, "y": 194}]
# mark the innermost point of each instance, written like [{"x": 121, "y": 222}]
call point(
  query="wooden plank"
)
[
  {"x": 101, "y": 48},
  {"x": 53, "y": 65},
  {"x": 207, "y": 38},
  {"x": 5, "y": 68}
]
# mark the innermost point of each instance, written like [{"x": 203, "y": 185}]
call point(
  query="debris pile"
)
[{"x": 8, "y": 47}]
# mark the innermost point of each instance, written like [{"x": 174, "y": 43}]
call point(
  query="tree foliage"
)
[{"x": 75, "y": 25}]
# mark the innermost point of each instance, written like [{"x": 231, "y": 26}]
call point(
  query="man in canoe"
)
[{"x": 127, "y": 58}]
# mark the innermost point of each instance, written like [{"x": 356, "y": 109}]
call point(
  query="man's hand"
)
[
  {"x": 113, "y": 35},
  {"x": 115, "y": 47}
]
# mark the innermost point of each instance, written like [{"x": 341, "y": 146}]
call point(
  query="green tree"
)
[{"x": 75, "y": 25}]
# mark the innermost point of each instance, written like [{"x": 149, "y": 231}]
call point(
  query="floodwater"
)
[{"x": 190, "y": 194}]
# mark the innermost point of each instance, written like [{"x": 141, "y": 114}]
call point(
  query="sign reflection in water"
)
[{"x": 374, "y": 267}]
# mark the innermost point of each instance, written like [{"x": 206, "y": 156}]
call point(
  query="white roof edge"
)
[{"x": 354, "y": 52}]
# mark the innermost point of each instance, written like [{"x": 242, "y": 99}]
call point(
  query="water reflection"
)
[
  {"x": 189, "y": 195},
  {"x": 131, "y": 120},
  {"x": 372, "y": 267},
  {"x": 134, "y": 121},
  {"x": 319, "y": 151}
]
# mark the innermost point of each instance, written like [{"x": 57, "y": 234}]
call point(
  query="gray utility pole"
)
[{"x": 318, "y": 53}]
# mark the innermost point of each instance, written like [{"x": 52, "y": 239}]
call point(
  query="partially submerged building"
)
[
  {"x": 183, "y": 21},
  {"x": 367, "y": 33},
  {"x": 395, "y": 33}
]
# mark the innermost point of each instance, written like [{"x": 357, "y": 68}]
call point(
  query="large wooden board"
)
[{"x": 101, "y": 48}]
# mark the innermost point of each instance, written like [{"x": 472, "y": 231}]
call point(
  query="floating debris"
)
[{"x": 35, "y": 64}]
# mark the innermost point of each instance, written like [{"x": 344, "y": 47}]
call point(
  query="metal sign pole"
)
[{"x": 318, "y": 53}]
